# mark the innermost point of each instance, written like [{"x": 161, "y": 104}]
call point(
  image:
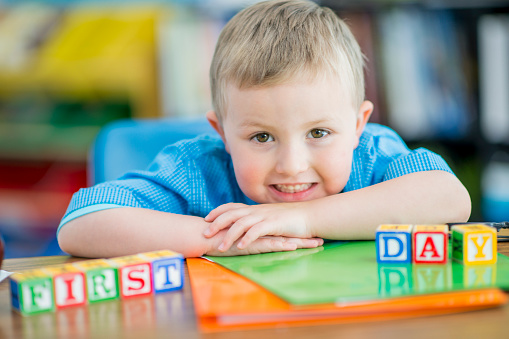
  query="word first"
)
[{"x": 54, "y": 287}]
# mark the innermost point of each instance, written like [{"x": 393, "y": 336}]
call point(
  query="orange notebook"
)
[{"x": 225, "y": 301}]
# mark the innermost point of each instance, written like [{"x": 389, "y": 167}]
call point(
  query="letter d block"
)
[
  {"x": 135, "y": 275},
  {"x": 68, "y": 284},
  {"x": 430, "y": 243},
  {"x": 393, "y": 244},
  {"x": 32, "y": 292},
  {"x": 167, "y": 268},
  {"x": 101, "y": 278},
  {"x": 474, "y": 244}
]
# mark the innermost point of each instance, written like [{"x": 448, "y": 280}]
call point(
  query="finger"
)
[
  {"x": 220, "y": 210},
  {"x": 305, "y": 242},
  {"x": 257, "y": 231},
  {"x": 223, "y": 221},
  {"x": 237, "y": 229},
  {"x": 274, "y": 244}
]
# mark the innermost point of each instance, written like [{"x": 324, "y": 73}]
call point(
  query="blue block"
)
[
  {"x": 394, "y": 244},
  {"x": 167, "y": 270}
]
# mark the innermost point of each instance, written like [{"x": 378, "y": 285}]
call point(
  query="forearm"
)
[
  {"x": 419, "y": 198},
  {"x": 123, "y": 231}
]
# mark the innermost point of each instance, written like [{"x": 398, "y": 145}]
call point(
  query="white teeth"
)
[{"x": 292, "y": 188}]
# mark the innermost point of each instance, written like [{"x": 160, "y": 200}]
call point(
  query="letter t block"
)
[
  {"x": 135, "y": 275},
  {"x": 393, "y": 244},
  {"x": 474, "y": 244},
  {"x": 430, "y": 243},
  {"x": 167, "y": 269}
]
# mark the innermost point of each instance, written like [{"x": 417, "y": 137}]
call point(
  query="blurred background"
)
[{"x": 437, "y": 71}]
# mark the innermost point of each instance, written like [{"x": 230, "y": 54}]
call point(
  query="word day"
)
[
  {"x": 429, "y": 244},
  {"x": 54, "y": 287}
]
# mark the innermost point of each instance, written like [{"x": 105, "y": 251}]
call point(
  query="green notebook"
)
[{"x": 348, "y": 271}]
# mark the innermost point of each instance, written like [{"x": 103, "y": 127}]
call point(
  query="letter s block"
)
[
  {"x": 68, "y": 284},
  {"x": 167, "y": 270},
  {"x": 430, "y": 243},
  {"x": 102, "y": 280},
  {"x": 393, "y": 244},
  {"x": 135, "y": 275},
  {"x": 32, "y": 292},
  {"x": 474, "y": 244}
]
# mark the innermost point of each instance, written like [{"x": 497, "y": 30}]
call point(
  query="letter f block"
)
[
  {"x": 32, "y": 292},
  {"x": 430, "y": 243},
  {"x": 393, "y": 244},
  {"x": 474, "y": 244}
]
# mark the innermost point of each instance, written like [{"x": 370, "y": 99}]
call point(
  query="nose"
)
[{"x": 292, "y": 159}]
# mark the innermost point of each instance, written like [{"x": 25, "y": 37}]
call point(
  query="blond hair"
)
[{"x": 274, "y": 42}]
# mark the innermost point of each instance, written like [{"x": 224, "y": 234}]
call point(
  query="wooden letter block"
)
[
  {"x": 68, "y": 284},
  {"x": 102, "y": 280},
  {"x": 134, "y": 274},
  {"x": 393, "y": 244},
  {"x": 430, "y": 243},
  {"x": 167, "y": 270},
  {"x": 474, "y": 244},
  {"x": 32, "y": 292}
]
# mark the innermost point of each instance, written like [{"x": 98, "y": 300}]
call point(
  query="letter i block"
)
[
  {"x": 430, "y": 244},
  {"x": 474, "y": 244},
  {"x": 68, "y": 284},
  {"x": 167, "y": 270},
  {"x": 102, "y": 280},
  {"x": 32, "y": 292},
  {"x": 134, "y": 274},
  {"x": 393, "y": 244}
]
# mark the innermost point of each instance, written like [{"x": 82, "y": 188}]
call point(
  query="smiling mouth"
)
[{"x": 292, "y": 188}]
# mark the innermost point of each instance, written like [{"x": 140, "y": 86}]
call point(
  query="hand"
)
[
  {"x": 265, "y": 245},
  {"x": 249, "y": 223}
]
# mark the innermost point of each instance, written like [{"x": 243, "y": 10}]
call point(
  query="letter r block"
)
[
  {"x": 393, "y": 244},
  {"x": 32, "y": 292},
  {"x": 68, "y": 284},
  {"x": 474, "y": 244},
  {"x": 102, "y": 280},
  {"x": 167, "y": 270},
  {"x": 135, "y": 275},
  {"x": 430, "y": 244}
]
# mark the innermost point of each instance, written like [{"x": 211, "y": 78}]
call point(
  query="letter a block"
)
[
  {"x": 166, "y": 270},
  {"x": 134, "y": 274},
  {"x": 474, "y": 244},
  {"x": 393, "y": 244},
  {"x": 430, "y": 243},
  {"x": 32, "y": 292},
  {"x": 102, "y": 280},
  {"x": 68, "y": 284}
]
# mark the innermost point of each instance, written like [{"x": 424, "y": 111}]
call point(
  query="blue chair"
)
[{"x": 131, "y": 144}]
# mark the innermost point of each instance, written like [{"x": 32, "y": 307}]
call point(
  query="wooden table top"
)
[{"x": 171, "y": 315}]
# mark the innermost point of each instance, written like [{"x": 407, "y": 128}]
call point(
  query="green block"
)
[
  {"x": 32, "y": 292},
  {"x": 102, "y": 280},
  {"x": 457, "y": 245}
]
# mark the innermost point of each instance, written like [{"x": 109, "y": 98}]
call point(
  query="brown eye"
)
[
  {"x": 318, "y": 133},
  {"x": 263, "y": 137}
]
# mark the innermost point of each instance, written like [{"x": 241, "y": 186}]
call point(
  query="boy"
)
[{"x": 296, "y": 160}]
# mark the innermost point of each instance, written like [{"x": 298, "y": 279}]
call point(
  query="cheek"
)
[
  {"x": 249, "y": 171},
  {"x": 335, "y": 171}
]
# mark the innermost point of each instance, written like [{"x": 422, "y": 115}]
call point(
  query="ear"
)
[
  {"x": 214, "y": 122},
  {"x": 363, "y": 115}
]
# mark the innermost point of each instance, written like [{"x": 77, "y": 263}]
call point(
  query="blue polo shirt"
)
[{"x": 193, "y": 177}]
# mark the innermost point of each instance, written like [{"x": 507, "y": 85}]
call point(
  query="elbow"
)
[{"x": 461, "y": 205}]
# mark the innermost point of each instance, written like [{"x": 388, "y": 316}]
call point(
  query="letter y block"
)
[
  {"x": 393, "y": 244},
  {"x": 474, "y": 244}
]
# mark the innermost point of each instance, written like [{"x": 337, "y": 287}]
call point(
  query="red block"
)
[
  {"x": 135, "y": 275},
  {"x": 68, "y": 284},
  {"x": 430, "y": 244}
]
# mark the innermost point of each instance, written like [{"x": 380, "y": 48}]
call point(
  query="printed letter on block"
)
[
  {"x": 474, "y": 244},
  {"x": 430, "y": 243},
  {"x": 69, "y": 285},
  {"x": 101, "y": 278},
  {"x": 393, "y": 244},
  {"x": 135, "y": 275},
  {"x": 166, "y": 270},
  {"x": 32, "y": 292}
]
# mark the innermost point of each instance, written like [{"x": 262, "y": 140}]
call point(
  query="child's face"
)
[{"x": 291, "y": 142}]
